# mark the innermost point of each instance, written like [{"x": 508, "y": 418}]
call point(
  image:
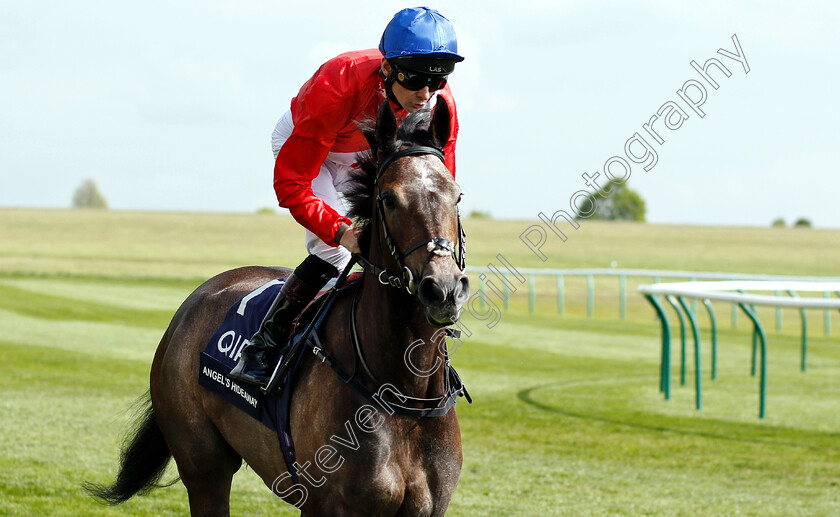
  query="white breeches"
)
[{"x": 335, "y": 172}]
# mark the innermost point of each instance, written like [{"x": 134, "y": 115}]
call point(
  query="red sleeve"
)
[
  {"x": 321, "y": 109},
  {"x": 449, "y": 147}
]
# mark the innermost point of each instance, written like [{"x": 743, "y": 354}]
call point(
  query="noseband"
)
[{"x": 434, "y": 246}]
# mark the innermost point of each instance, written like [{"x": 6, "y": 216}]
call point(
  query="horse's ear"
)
[
  {"x": 441, "y": 122},
  {"x": 386, "y": 127}
]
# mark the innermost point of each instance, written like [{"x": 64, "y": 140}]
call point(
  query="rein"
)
[
  {"x": 430, "y": 407},
  {"x": 434, "y": 246}
]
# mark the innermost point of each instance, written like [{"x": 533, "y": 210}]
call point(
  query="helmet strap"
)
[{"x": 389, "y": 83}]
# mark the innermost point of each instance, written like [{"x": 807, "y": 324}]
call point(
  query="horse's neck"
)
[{"x": 389, "y": 321}]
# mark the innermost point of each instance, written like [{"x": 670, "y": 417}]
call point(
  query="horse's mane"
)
[{"x": 358, "y": 197}]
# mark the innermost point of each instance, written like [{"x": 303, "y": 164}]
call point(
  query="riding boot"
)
[{"x": 258, "y": 356}]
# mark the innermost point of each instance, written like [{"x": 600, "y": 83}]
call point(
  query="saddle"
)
[{"x": 287, "y": 357}]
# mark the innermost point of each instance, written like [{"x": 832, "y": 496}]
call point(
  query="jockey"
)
[{"x": 315, "y": 144}]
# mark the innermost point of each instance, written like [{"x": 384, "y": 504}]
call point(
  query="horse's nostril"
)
[
  {"x": 462, "y": 289},
  {"x": 430, "y": 292}
]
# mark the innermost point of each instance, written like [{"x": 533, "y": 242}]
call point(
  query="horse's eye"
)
[
  {"x": 459, "y": 198},
  {"x": 388, "y": 201}
]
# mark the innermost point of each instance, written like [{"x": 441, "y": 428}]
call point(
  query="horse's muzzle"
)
[{"x": 444, "y": 295}]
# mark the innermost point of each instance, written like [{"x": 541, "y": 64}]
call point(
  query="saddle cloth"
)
[
  {"x": 221, "y": 354},
  {"x": 225, "y": 347}
]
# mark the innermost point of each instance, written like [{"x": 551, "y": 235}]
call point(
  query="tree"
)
[
  {"x": 802, "y": 223},
  {"x": 87, "y": 196},
  {"x": 779, "y": 223},
  {"x": 480, "y": 214},
  {"x": 620, "y": 204}
]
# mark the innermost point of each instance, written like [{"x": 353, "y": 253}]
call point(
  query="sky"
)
[{"x": 170, "y": 105}]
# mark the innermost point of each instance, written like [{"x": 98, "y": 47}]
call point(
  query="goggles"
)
[{"x": 414, "y": 81}]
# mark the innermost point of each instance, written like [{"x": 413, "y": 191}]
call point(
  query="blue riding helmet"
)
[{"x": 422, "y": 33}]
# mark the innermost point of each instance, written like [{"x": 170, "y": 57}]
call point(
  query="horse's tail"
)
[{"x": 143, "y": 459}]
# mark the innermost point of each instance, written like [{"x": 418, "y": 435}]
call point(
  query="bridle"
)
[{"x": 434, "y": 246}]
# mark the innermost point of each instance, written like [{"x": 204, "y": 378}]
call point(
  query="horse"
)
[{"x": 353, "y": 458}]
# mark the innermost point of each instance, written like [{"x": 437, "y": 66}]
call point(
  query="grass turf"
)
[{"x": 567, "y": 418}]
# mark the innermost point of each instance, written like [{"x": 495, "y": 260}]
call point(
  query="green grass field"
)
[{"x": 567, "y": 419}]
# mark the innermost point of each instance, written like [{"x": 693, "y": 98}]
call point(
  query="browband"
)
[{"x": 408, "y": 151}]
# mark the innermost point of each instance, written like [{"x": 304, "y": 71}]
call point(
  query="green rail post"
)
[
  {"x": 711, "y": 311},
  {"x": 532, "y": 295},
  {"x": 693, "y": 300},
  {"x": 622, "y": 286},
  {"x": 763, "y": 382},
  {"x": 778, "y": 315},
  {"x": 827, "y": 316},
  {"x": 804, "y": 338},
  {"x": 665, "y": 361},
  {"x": 682, "y": 338},
  {"x": 559, "y": 294},
  {"x": 590, "y": 295},
  {"x": 698, "y": 390},
  {"x": 754, "y": 339},
  {"x": 804, "y": 320}
]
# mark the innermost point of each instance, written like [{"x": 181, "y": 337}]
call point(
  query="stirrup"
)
[
  {"x": 249, "y": 374},
  {"x": 292, "y": 350}
]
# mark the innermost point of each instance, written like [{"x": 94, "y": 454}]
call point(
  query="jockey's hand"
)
[{"x": 350, "y": 240}]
